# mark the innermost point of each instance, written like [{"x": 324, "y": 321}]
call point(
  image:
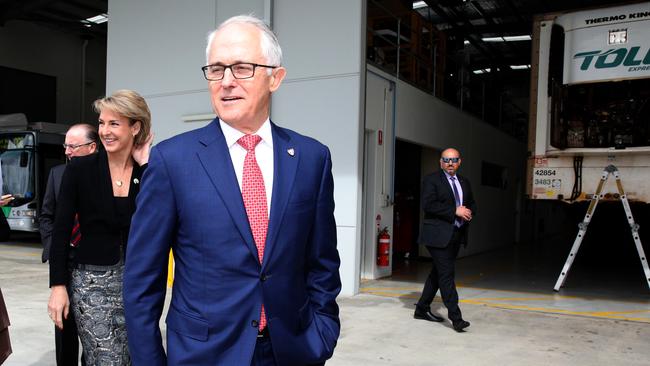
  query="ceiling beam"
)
[
  {"x": 462, "y": 29},
  {"x": 67, "y": 26},
  {"x": 88, "y": 7},
  {"x": 517, "y": 14},
  {"x": 479, "y": 9},
  {"x": 466, "y": 28},
  {"x": 513, "y": 28},
  {"x": 14, "y": 10}
]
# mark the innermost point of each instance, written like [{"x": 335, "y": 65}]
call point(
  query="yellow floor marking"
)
[
  {"x": 552, "y": 310},
  {"x": 391, "y": 288},
  {"x": 512, "y": 299},
  {"x": 554, "y": 295},
  {"x": 392, "y": 294},
  {"x": 608, "y": 313},
  {"x": 604, "y": 315}
]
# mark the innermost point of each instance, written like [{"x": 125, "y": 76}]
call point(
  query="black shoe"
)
[
  {"x": 427, "y": 315},
  {"x": 459, "y": 325}
]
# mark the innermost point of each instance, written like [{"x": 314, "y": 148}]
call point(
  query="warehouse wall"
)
[{"x": 49, "y": 51}]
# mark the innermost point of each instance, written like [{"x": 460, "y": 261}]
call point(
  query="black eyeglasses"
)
[
  {"x": 242, "y": 70},
  {"x": 74, "y": 147},
  {"x": 447, "y": 160}
]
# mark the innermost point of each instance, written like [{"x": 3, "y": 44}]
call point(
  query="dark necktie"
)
[
  {"x": 254, "y": 196},
  {"x": 75, "y": 238},
  {"x": 458, "y": 221}
]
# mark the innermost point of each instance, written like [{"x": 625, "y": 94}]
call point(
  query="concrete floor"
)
[{"x": 600, "y": 317}]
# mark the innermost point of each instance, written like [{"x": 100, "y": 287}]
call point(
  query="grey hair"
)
[{"x": 268, "y": 40}]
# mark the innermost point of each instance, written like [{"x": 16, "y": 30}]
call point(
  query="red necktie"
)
[
  {"x": 254, "y": 195},
  {"x": 75, "y": 238}
]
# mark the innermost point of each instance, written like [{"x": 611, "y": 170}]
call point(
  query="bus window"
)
[
  {"x": 17, "y": 162},
  {"x": 17, "y": 179}
]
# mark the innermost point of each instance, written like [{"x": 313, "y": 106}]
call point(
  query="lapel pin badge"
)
[
  {"x": 136, "y": 181},
  {"x": 291, "y": 152}
]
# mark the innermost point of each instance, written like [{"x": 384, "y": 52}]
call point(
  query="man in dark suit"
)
[
  {"x": 248, "y": 209},
  {"x": 449, "y": 207},
  {"x": 80, "y": 140}
]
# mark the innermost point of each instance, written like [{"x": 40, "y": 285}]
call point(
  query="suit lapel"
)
[
  {"x": 58, "y": 177},
  {"x": 285, "y": 163},
  {"x": 134, "y": 185},
  {"x": 445, "y": 182},
  {"x": 106, "y": 186},
  {"x": 216, "y": 161}
]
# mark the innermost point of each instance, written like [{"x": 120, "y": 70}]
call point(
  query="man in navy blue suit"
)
[{"x": 248, "y": 209}]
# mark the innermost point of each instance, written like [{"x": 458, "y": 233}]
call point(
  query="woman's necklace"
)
[{"x": 120, "y": 182}]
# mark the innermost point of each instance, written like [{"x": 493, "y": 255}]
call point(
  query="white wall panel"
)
[
  {"x": 347, "y": 246},
  {"x": 319, "y": 38},
  {"x": 228, "y": 8},
  {"x": 157, "y": 47},
  {"x": 167, "y": 113}
]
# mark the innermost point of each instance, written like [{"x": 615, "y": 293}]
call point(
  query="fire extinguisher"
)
[{"x": 383, "y": 247}]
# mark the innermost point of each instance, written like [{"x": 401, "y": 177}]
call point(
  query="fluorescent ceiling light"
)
[
  {"x": 520, "y": 67},
  {"x": 419, "y": 4},
  {"x": 493, "y": 39},
  {"x": 98, "y": 19},
  {"x": 524, "y": 37},
  {"x": 481, "y": 71}
]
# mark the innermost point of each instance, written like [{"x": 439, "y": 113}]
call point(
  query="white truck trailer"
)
[
  {"x": 590, "y": 103},
  {"x": 590, "y": 116}
]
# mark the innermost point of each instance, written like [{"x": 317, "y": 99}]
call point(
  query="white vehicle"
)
[
  {"x": 590, "y": 103},
  {"x": 27, "y": 153}
]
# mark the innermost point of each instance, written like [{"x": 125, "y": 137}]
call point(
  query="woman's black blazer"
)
[{"x": 87, "y": 190}]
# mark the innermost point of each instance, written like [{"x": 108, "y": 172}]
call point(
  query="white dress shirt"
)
[
  {"x": 263, "y": 155},
  {"x": 453, "y": 182}
]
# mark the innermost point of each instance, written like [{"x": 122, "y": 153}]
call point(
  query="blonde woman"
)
[{"x": 97, "y": 200}]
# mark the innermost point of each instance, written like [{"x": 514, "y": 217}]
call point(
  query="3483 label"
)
[{"x": 546, "y": 183}]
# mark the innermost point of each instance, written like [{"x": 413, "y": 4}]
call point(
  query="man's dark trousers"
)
[
  {"x": 67, "y": 341},
  {"x": 442, "y": 277}
]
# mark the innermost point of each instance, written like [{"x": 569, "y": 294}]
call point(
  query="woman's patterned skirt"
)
[{"x": 99, "y": 312}]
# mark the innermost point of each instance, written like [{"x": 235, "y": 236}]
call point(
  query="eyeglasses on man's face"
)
[
  {"x": 242, "y": 70},
  {"x": 74, "y": 147},
  {"x": 450, "y": 160}
]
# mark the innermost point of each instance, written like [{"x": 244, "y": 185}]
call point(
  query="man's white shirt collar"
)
[{"x": 232, "y": 135}]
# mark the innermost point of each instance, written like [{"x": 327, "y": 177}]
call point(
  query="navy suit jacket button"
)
[
  {"x": 255, "y": 324},
  {"x": 262, "y": 277}
]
